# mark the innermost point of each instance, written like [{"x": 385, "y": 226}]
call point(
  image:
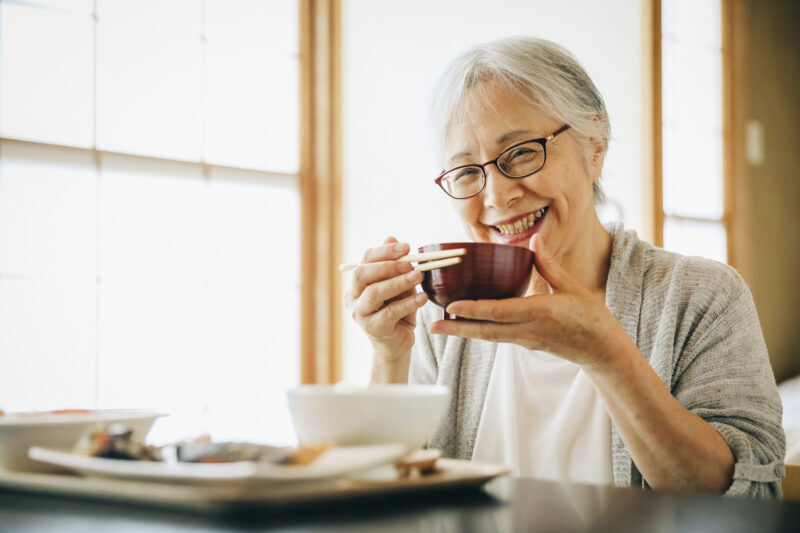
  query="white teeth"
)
[{"x": 522, "y": 224}]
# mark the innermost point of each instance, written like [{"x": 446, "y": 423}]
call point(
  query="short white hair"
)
[{"x": 541, "y": 72}]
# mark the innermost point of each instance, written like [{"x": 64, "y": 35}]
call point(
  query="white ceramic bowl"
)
[
  {"x": 20, "y": 431},
  {"x": 346, "y": 415}
]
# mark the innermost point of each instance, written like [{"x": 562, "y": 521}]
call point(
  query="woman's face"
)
[{"x": 556, "y": 202}]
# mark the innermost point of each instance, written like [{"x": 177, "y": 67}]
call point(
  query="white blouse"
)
[{"x": 543, "y": 418}]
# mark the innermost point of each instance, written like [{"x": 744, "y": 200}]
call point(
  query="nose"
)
[{"x": 500, "y": 191}]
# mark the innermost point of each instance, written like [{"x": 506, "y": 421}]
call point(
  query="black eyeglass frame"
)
[{"x": 542, "y": 141}]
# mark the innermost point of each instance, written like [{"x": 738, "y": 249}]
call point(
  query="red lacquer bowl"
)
[{"x": 487, "y": 271}]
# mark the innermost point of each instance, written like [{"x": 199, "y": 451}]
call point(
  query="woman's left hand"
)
[{"x": 571, "y": 322}]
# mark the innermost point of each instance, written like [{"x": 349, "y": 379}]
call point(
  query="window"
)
[
  {"x": 692, "y": 135},
  {"x": 149, "y": 210}
]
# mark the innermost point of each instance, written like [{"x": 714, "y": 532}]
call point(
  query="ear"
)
[{"x": 598, "y": 157}]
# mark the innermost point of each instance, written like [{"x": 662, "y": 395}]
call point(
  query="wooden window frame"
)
[
  {"x": 320, "y": 190},
  {"x": 657, "y": 125},
  {"x": 734, "y": 165},
  {"x": 319, "y": 180},
  {"x": 729, "y": 107}
]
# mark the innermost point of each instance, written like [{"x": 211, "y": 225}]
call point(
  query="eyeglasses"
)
[{"x": 518, "y": 161}]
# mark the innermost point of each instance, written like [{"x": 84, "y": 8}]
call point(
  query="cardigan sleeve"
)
[
  {"x": 423, "y": 368},
  {"x": 724, "y": 376}
]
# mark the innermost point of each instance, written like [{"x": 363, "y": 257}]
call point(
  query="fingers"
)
[
  {"x": 383, "y": 322},
  {"x": 378, "y": 264},
  {"x": 389, "y": 251},
  {"x": 377, "y": 294},
  {"x": 366, "y": 275},
  {"x": 382, "y": 292},
  {"x": 510, "y": 310},
  {"x": 488, "y": 331}
]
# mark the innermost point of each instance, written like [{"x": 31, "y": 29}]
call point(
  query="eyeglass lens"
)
[{"x": 518, "y": 162}]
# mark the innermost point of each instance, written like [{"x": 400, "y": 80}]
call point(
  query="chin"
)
[{"x": 479, "y": 234}]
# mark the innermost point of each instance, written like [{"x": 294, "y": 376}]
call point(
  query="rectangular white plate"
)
[
  {"x": 333, "y": 462},
  {"x": 452, "y": 474}
]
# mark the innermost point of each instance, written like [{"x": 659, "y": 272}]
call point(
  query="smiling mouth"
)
[{"x": 522, "y": 224}]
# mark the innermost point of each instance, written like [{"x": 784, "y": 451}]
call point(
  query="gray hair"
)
[{"x": 540, "y": 71}]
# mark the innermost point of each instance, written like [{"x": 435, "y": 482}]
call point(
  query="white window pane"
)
[
  {"x": 48, "y": 234},
  {"x": 152, "y": 293},
  {"x": 198, "y": 317},
  {"x": 251, "y": 85},
  {"x": 692, "y": 181},
  {"x": 69, "y": 6},
  {"x": 47, "y": 343},
  {"x": 692, "y": 88},
  {"x": 48, "y": 212},
  {"x": 249, "y": 23},
  {"x": 46, "y": 86},
  {"x": 254, "y": 298},
  {"x": 698, "y": 21},
  {"x": 149, "y": 56},
  {"x": 688, "y": 237}
]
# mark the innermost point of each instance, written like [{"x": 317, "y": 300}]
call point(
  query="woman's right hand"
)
[{"x": 383, "y": 301}]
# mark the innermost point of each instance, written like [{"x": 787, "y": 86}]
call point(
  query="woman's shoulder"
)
[
  {"x": 656, "y": 288},
  {"x": 696, "y": 274},
  {"x": 662, "y": 269}
]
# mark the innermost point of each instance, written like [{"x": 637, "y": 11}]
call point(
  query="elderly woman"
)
[{"x": 624, "y": 363}]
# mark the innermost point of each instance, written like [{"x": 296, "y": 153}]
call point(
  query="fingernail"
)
[
  {"x": 403, "y": 267},
  {"x": 414, "y": 276},
  {"x": 421, "y": 297},
  {"x": 400, "y": 247}
]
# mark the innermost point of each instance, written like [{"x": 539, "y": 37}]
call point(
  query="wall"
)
[
  {"x": 393, "y": 52},
  {"x": 765, "y": 231}
]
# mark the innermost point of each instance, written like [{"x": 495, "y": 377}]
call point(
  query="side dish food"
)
[
  {"x": 115, "y": 442},
  {"x": 118, "y": 441}
]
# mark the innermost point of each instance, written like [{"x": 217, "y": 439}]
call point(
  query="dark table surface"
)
[{"x": 505, "y": 505}]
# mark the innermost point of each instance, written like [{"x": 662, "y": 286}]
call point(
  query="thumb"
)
[{"x": 549, "y": 267}]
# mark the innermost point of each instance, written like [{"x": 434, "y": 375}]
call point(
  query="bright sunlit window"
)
[
  {"x": 149, "y": 210},
  {"x": 692, "y": 128}
]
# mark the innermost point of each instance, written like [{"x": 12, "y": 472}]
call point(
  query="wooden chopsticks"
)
[{"x": 427, "y": 260}]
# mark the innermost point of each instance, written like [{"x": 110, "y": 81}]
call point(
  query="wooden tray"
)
[{"x": 452, "y": 474}]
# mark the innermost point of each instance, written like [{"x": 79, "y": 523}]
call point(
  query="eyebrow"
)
[
  {"x": 511, "y": 134},
  {"x": 459, "y": 155},
  {"x": 500, "y": 140}
]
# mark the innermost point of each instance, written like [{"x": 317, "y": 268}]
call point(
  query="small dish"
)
[
  {"x": 20, "y": 431},
  {"x": 351, "y": 415}
]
